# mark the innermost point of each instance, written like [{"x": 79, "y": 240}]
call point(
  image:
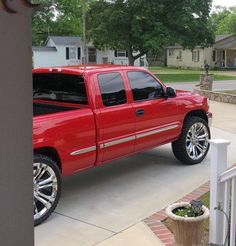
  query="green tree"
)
[
  {"x": 227, "y": 25},
  {"x": 223, "y": 20},
  {"x": 42, "y": 20},
  {"x": 218, "y": 16},
  {"x": 56, "y": 17},
  {"x": 69, "y": 18},
  {"x": 149, "y": 25}
]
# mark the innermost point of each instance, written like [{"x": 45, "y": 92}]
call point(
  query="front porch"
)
[
  {"x": 224, "y": 53},
  {"x": 225, "y": 59}
]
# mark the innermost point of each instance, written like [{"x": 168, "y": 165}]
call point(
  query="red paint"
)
[{"x": 95, "y": 124}]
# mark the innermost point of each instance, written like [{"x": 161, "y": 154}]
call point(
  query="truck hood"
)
[
  {"x": 184, "y": 93},
  {"x": 191, "y": 99}
]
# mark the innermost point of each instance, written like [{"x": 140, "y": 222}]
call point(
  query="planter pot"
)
[{"x": 188, "y": 231}]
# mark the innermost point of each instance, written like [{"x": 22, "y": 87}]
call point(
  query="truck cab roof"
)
[{"x": 86, "y": 69}]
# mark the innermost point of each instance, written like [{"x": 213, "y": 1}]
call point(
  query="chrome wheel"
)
[
  {"x": 45, "y": 189},
  {"x": 197, "y": 141}
]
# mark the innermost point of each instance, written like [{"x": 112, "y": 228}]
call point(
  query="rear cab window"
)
[
  {"x": 144, "y": 86},
  {"x": 112, "y": 89},
  {"x": 59, "y": 87}
]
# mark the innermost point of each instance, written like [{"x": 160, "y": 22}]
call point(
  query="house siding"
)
[
  {"x": 231, "y": 58},
  {"x": 57, "y": 57},
  {"x": 225, "y": 54},
  {"x": 110, "y": 55},
  {"x": 53, "y": 58},
  {"x": 186, "y": 61}
]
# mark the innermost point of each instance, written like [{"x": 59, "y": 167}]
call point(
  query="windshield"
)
[{"x": 59, "y": 87}]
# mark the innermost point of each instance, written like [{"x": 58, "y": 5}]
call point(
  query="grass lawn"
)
[
  {"x": 230, "y": 92},
  {"x": 206, "y": 202},
  {"x": 189, "y": 77},
  {"x": 185, "y": 75}
]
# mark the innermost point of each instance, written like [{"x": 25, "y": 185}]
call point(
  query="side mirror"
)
[{"x": 170, "y": 92}]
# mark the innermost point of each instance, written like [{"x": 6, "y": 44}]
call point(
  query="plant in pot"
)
[{"x": 187, "y": 221}]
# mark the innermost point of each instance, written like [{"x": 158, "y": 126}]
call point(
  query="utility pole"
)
[{"x": 84, "y": 33}]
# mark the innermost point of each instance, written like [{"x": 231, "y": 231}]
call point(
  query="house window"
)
[
  {"x": 120, "y": 53},
  {"x": 71, "y": 53},
  {"x": 214, "y": 55},
  {"x": 171, "y": 52},
  {"x": 196, "y": 55},
  {"x": 92, "y": 55}
]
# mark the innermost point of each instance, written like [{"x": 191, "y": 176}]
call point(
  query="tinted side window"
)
[
  {"x": 112, "y": 89},
  {"x": 144, "y": 86}
]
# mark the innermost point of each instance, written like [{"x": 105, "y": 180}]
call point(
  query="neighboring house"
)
[
  {"x": 68, "y": 50},
  {"x": 221, "y": 55}
]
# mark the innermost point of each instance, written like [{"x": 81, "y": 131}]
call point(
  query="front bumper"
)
[{"x": 209, "y": 116}]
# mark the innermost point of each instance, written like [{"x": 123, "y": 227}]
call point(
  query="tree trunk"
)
[
  {"x": 130, "y": 56},
  {"x": 131, "y": 61}
]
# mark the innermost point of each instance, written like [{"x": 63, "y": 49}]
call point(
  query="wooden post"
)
[
  {"x": 217, "y": 190},
  {"x": 233, "y": 213},
  {"x": 216, "y": 59},
  {"x": 225, "y": 58},
  {"x": 16, "y": 178}
]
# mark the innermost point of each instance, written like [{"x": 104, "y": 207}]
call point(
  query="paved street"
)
[
  {"x": 98, "y": 205},
  {"x": 217, "y": 85}
]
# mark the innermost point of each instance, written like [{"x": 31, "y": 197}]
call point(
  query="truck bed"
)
[{"x": 42, "y": 109}]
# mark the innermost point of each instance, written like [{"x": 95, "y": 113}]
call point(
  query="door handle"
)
[{"x": 139, "y": 112}]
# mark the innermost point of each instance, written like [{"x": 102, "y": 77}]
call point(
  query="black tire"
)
[
  {"x": 47, "y": 194},
  {"x": 183, "y": 146}
]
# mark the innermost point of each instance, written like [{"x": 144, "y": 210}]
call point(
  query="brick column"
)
[{"x": 16, "y": 196}]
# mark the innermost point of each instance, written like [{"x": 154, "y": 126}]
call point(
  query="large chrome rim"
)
[
  {"x": 45, "y": 189},
  {"x": 197, "y": 141}
]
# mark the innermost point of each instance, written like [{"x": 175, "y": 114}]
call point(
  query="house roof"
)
[
  {"x": 221, "y": 37},
  {"x": 65, "y": 40},
  {"x": 44, "y": 48},
  {"x": 221, "y": 41},
  {"x": 225, "y": 42}
]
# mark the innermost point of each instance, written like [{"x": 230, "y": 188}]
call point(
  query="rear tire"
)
[
  {"x": 192, "y": 145},
  {"x": 47, "y": 187}
]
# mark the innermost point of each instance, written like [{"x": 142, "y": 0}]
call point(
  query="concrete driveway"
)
[{"x": 103, "y": 202}]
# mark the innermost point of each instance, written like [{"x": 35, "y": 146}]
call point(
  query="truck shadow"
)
[
  {"x": 138, "y": 164},
  {"x": 126, "y": 172}
]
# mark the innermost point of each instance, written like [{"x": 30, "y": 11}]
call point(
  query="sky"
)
[{"x": 226, "y": 3}]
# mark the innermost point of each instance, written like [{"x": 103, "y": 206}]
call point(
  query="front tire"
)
[
  {"x": 47, "y": 187},
  {"x": 192, "y": 145}
]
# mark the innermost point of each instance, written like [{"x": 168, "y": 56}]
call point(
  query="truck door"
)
[
  {"x": 115, "y": 118},
  {"x": 156, "y": 118}
]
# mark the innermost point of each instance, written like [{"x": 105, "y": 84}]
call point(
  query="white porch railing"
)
[{"x": 222, "y": 196}]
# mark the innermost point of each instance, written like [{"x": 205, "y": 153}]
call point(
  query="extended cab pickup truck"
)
[{"x": 87, "y": 116}]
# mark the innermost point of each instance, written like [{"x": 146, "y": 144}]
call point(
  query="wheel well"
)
[
  {"x": 51, "y": 153},
  {"x": 199, "y": 113}
]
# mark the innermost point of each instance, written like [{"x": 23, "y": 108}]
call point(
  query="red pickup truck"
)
[{"x": 87, "y": 116}]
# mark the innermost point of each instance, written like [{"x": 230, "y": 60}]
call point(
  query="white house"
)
[
  {"x": 68, "y": 50},
  {"x": 221, "y": 55}
]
